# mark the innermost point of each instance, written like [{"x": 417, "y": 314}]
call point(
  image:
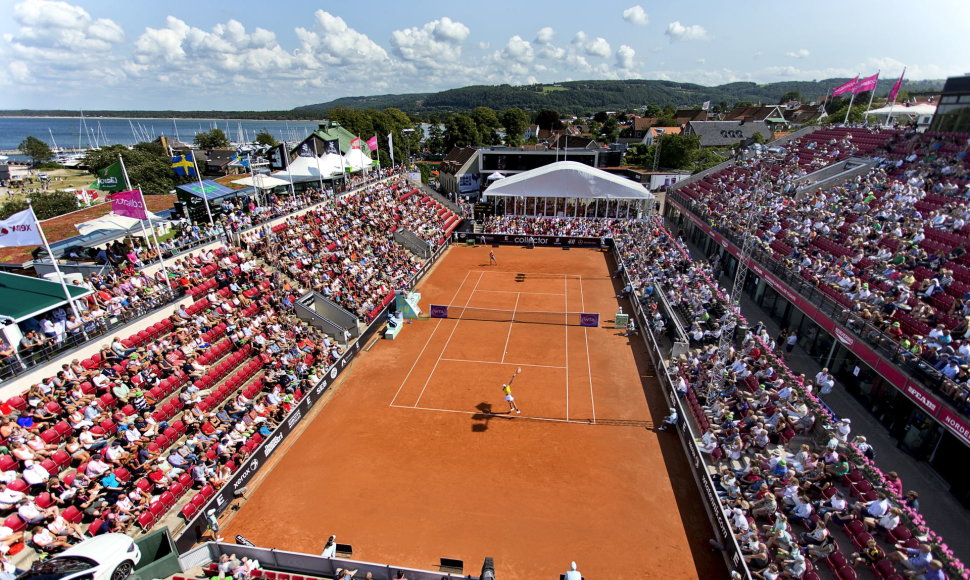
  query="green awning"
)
[
  {"x": 22, "y": 297},
  {"x": 776, "y": 120}
]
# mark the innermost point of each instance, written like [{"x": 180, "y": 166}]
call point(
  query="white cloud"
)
[
  {"x": 596, "y": 47},
  {"x": 625, "y": 57},
  {"x": 435, "y": 45},
  {"x": 338, "y": 44},
  {"x": 545, "y": 35},
  {"x": 518, "y": 50},
  {"x": 677, "y": 31},
  {"x": 800, "y": 53},
  {"x": 57, "y": 41},
  {"x": 701, "y": 60},
  {"x": 636, "y": 15}
]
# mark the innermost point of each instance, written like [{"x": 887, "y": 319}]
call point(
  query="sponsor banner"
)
[
  {"x": 955, "y": 423},
  {"x": 589, "y": 319},
  {"x": 439, "y": 311},
  {"x": 929, "y": 403},
  {"x": 524, "y": 240}
]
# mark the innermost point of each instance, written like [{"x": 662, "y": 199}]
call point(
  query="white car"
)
[{"x": 104, "y": 557}]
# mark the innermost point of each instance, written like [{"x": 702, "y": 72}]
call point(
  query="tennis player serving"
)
[{"x": 507, "y": 389}]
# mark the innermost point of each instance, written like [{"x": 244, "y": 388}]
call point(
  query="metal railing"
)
[{"x": 877, "y": 340}]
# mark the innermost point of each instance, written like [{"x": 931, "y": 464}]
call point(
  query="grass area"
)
[
  {"x": 552, "y": 89},
  {"x": 60, "y": 179}
]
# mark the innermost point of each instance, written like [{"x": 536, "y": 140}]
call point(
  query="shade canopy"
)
[
  {"x": 569, "y": 179},
  {"x": 312, "y": 168},
  {"x": 262, "y": 181},
  {"x": 903, "y": 111},
  {"x": 22, "y": 297},
  {"x": 495, "y": 176},
  {"x": 117, "y": 223}
]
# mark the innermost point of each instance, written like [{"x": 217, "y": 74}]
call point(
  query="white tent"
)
[
  {"x": 311, "y": 168},
  {"x": 116, "y": 223},
  {"x": 915, "y": 112},
  {"x": 357, "y": 160},
  {"x": 569, "y": 179},
  {"x": 262, "y": 182},
  {"x": 495, "y": 176}
]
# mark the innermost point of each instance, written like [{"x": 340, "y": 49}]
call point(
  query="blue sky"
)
[{"x": 259, "y": 55}]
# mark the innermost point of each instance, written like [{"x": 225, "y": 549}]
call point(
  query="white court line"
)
[
  {"x": 427, "y": 342},
  {"x": 492, "y": 362},
  {"x": 589, "y": 365},
  {"x": 565, "y": 283},
  {"x": 496, "y": 415},
  {"x": 509, "y": 335},
  {"x": 493, "y": 271},
  {"x": 517, "y": 292},
  {"x": 445, "y": 347}
]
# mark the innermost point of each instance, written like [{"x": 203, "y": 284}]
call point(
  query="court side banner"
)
[{"x": 523, "y": 240}]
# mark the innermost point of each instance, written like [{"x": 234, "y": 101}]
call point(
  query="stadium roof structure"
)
[
  {"x": 569, "y": 179},
  {"x": 208, "y": 189},
  {"x": 22, "y": 297}
]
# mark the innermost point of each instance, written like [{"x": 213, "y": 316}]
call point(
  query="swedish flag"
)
[{"x": 183, "y": 165}]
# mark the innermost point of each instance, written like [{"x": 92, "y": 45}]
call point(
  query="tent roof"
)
[
  {"x": 212, "y": 189},
  {"x": 263, "y": 181},
  {"x": 915, "y": 110},
  {"x": 307, "y": 169},
  {"x": 116, "y": 223},
  {"x": 357, "y": 159},
  {"x": 22, "y": 297},
  {"x": 569, "y": 179}
]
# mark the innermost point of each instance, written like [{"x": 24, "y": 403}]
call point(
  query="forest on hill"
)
[{"x": 590, "y": 96}]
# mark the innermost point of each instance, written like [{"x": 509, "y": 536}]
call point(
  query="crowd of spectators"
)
[
  {"x": 889, "y": 245},
  {"x": 345, "y": 249},
  {"x": 118, "y": 439},
  {"x": 787, "y": 473},
  {"x": 542, "y": 226}
]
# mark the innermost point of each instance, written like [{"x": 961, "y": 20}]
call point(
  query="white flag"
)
[
  {"x": 20, "y": 229},
  {"x": 390, "y": 146},
  {"x": 706, "y": 105}
]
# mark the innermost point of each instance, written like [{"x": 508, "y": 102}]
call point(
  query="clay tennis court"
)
[{"x": 415, "y": 457}]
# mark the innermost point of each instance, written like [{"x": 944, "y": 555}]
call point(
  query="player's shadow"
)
[{"x": 483, "y": 416}]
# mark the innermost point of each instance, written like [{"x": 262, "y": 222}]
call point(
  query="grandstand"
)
[{"x": 868, "y": 266}]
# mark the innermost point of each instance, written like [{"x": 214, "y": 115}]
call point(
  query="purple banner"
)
[
  {"x": 914, "y": 392},
  {"x": 439, "y": 311},
  {"x": 129, "y": 204},
  {"x": 589, "y": 319}
]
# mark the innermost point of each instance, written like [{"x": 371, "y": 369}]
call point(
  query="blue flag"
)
[{"x": 183, "y": 165}]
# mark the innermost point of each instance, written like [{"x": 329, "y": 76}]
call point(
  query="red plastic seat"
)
[
  {"x": 44, "y": 500},
  {"x": 18, "y": 485},
  {"x": 9, "y": 463},
  {"x": 15, "y": 523},
  {"x": 157, "y": 508},
  {"x": 50, "y": 437},
  {"x": 189, "y": 511},
  {"x": 167, "y": 499},
  {"x": 61, "y": 458},
  {"x": 72, "y": 514}
]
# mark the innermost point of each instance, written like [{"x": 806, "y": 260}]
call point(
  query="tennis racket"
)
[{"x": 517, "y": 371}]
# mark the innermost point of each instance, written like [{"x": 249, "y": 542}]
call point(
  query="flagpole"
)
[
  {"x": 158, "y": 247},
  {"x": 57, "y": 270},
  {"x": 872, "y": 94},
  {"x": 205, "y": 197},
  {"x": 847, "y": 111},
  {"x": 316, "y": 156},
  {"x": 286, "y": 161}
]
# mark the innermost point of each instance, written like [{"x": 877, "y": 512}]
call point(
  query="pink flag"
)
[
  {"x": 866, "y": 84},
  {"x": 129, "y": 204},
  {"x": 372, "y": 143},
  {"x": 845, "y": 88},
  {"x": 895, "y": 90}
]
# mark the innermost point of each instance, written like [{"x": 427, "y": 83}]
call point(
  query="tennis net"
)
[{"x": 524, "y": 316}]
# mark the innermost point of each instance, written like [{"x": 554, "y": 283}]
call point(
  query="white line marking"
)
[
  {"x": 517, "y": 292},
  {"x": 427, "y": 342},
  {"x": 589, "y": 364},
  {"x": 492, "y": 362},
  {"x": 496, "y": 415},
  {"x": 509, "y": 335},
  {"x": 494, "y": 271},
  {"x": 565, "y": 282},
  {"x": 445, "y": 347}
]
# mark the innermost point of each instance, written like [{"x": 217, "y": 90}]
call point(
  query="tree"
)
[
  {"x": 611, "y": 130},
  {"x": 214, "y": 139},
  {"x": 265, "y": 138},
  {"x": 758, "y": 137},
  {"x": 790, "y": 96},
  {"x": 548, "y": 119},
  {"x": 600, "y": 117},
  {"x": 461, "y": 131},
  {"x": 37, "y": 150},
  {"x": 436, "y": 137},
  {"x": 515, "y": 122},
  {"x": 47, "y": 204},
  {"x": 486, "y": 121},
  {"x": 678, "y": 151},
  {"x": 147, "y": 164}
]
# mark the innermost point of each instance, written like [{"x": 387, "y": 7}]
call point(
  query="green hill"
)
[{"x": 587, "y": 96}]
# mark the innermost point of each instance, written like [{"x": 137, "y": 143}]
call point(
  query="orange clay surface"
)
[{"x": 415, "y": 455}]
